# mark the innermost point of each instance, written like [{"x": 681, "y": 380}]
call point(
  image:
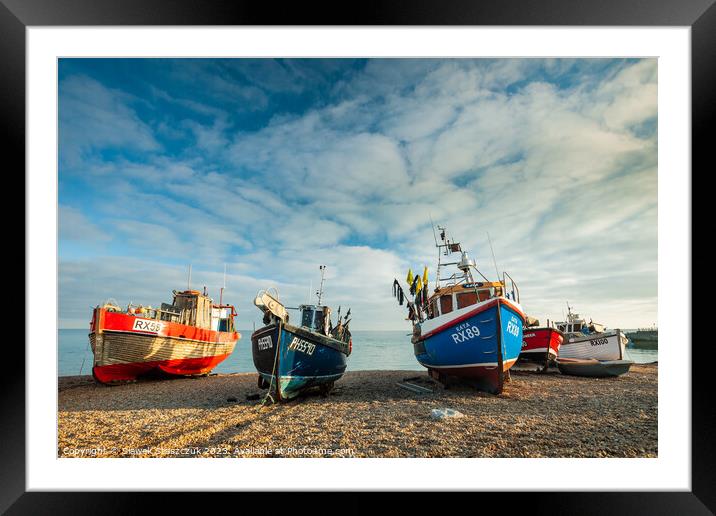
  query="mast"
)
[
  {"x": 319, "y": 293},
  {"x": 465, "y": 264},
  {"x": 432, "y": 225},
  {"x": 440, "y": 247},
  {"x": 188, "y": 281},
  {"x": 497, "y": 273}
]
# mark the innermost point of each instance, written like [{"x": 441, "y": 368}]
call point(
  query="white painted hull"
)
[{"x": 601, "y": 346}]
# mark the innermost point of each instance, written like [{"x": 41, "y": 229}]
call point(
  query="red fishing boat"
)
[
  {"x": 540, "y": 345},
  {"x": 186, "y": 338}
]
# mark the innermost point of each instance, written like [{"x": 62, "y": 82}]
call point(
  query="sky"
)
[{"x": 272, "y": 167}]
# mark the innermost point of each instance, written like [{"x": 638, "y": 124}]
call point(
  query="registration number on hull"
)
[
  {"x": 147, "y": 326},
  {"x": 513, "y": 327},
  {"x": 302, "y": 346},
  {"x": 465, "y": 332},
  {"x": 264, "y": 343}
]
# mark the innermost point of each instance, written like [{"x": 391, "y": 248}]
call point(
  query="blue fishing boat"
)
[
  {"x": 465, "y": 329},
  {"x": 291, "y": 358}
]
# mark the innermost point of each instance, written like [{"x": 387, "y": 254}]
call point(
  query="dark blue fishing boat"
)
[{"x": 291, "y": 358}]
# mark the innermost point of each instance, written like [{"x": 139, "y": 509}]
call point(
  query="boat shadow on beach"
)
[
  {"x": 82, "y": 393},
  {"x": 240, "y": 390}
]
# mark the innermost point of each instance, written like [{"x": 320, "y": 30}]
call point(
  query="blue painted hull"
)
[
  {"x": 480, "y": 345},
  {"x": 302, "y": 362}
]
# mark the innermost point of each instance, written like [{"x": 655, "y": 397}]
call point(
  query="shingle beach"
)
[{"x": 366, "y": 415}]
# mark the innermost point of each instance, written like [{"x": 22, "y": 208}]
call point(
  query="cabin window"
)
[
  {"x": 483, "y": 295},
  {"x": 307, "y": 318},
  {"x": 446, "y": 304},
  {"x": 319, "y": 321},
  {"x": 577, "y": 327},
  {"x": 434, "y": 308},
  {"x": 466, "y": 299}
]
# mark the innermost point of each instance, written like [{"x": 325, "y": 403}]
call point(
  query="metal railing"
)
[{"x": 514, "y": 290}]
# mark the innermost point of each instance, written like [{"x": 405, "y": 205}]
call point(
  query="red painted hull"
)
[
  {"x": 486, "y": 378},
  {"x": 126, "y": 347},
  {"x": 179, "y": 367},
  {"x": 540, "y": 345}
]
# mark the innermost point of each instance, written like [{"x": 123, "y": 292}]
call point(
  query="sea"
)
[{"x": 372, "y": 350}]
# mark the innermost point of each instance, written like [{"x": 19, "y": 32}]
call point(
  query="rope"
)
[
  {"x": 84, "y": 357},
  {"x": 273, "y": 371}
]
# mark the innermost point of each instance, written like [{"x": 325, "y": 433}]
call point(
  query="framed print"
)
[{"x": 361, "y": 251}]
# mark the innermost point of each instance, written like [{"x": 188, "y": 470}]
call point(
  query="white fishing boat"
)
[{"x": 589, "y": 340}]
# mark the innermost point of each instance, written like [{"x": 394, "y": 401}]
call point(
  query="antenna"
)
[
  {"x": 188, "y": 282},
  {"x": 320, "y": 289},
  {"x": 433, "y": 226},
  {"x": 310, "y": 289},
  {"x": 493, "y": 256}
]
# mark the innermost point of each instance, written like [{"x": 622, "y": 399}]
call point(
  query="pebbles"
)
[{"x": 538, "y": 415}]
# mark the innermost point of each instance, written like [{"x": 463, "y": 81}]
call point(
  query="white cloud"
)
[
  {"x": 555, "y": 171},
  {"x": 76, "y": 227},
  {"x": 93, "y": 117}
]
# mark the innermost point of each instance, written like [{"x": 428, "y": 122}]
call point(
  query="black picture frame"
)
[{"x": 700, "y": 15}]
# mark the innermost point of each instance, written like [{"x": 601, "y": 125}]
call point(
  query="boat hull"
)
[
  {"x": 479, "y": 344},
  {"x": 290, "y": 359},
  {"x": 593, "y": 368},
  {"x": 126, "y": 347},
  {"x": 600, "y": 346},
  {"x": 540, "y": 346}
]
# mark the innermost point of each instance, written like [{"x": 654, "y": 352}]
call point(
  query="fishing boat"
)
[
  {"x": 291, "y": 358},
  {"x": 465, "y": 329},
  {"x": 591, "y": 340},
  {"x": 540, "y": 344},
  {"x": 188, "y": 337}
]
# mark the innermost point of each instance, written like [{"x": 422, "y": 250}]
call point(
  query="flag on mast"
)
[{"x": 409, "y": 279}]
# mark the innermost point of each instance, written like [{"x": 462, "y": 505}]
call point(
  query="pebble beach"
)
[{"x": 366, "y": 415}]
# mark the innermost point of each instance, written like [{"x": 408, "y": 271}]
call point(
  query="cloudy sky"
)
[{"x": 274, "y": 167}]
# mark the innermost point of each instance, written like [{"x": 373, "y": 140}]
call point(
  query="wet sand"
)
[{"x": 366, "y": 415}]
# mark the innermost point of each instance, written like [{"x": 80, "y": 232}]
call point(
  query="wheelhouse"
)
[
  {"x": 448, "y": 299},
  {"x": 576, "y": 324},
  {"x": 315, "y": 318},
  {"x": 571, "y": 327}
]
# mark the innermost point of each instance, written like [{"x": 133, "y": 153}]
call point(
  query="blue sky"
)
[{"x": 273, "y": 167}]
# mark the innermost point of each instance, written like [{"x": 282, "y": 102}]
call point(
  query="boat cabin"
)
[
  {"x": 193, "y": 308},
  {"x": 316, "y": 318},
  {"x": 446, "y": 299},
  {"x": 575, "y": 326}
]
